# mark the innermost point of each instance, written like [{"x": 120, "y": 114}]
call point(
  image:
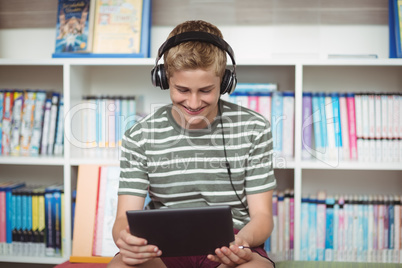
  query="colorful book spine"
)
[
  {"x": 35, "y": 144},
  {"x": 46, "y": 127},
  {"x": 16, "y": 123},
  {"x": 59, "y": 139},
  {"x": 330, "y": 128},
  {"x": 53, "y": 123},
  {"x": 329, "y": 230},
  {"x": 288, "y": 123},
  {"x": 7, "y": 122},
  {"x": 281, "y": 226},
  {"x": 350, "y": 102},
  {"x": 1, "y": 116},
  {"x": 343, "y": 110},
  {"x": 292, "y": 223},
  {"x": 319, "y": 147},
  {"x": 275, "y": 232},
  {"x": 304, "y": 225},
  {"x": 27, "y": 121},
  {"x": 323, "y": 123},
  {"x": 307, "y": 125},
  {"x": 321, "y": 225},
  {"x": 312, "y": 218},
  {"x": 277, "y": 121},
  {"x": 286, "y": 229},
  {"x": 337, "y": 125}
]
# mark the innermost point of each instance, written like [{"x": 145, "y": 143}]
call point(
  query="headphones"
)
[{"x": 158, "y": 73}]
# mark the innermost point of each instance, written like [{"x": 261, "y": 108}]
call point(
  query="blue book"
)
[
  {"x": 9, "y": 214},
  {"x": 277, "y": 120},
  {"x": 50, "y": 222},
  {"x": 312, "y": 226},
  {"x": 304, "y": 221},
  {"x": 57, "y": 195},
  {"x": 329, "y": 231},
  {"x": 391, "y": 224},
  {"x": 323, "y": 122},
  {"x": 337, "y": 121},
  {"x": 317, "y": 123}
]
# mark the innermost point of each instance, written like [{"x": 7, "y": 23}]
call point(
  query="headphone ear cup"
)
[
  {"x": 228, "y": 82},
  {"x": 158, "y": 77}
]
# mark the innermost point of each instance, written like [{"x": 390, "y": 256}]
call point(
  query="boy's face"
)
[{"x": 195, "y": 95}]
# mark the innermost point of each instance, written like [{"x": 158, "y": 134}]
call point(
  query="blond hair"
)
[{"x": 195, "y": 54}]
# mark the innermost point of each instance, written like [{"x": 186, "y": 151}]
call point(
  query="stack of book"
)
[
  {"x": 351, "y": 228},
  {"x": 31, "y": 221},
  {"x": 352, "y": 126},
  {"x": 105, "y": 119},
  {"x": 276, "y": 106},
  {"x": 31, "y": 123},
  {"x": 280, "y": 245}
]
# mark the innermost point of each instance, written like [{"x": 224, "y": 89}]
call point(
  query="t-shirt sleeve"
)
[
  {"x": 259, "y": 171},
  {"x": 133, "y": 166}
]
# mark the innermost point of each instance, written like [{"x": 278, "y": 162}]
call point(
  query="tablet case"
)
[{"x": 184, "y": 231}]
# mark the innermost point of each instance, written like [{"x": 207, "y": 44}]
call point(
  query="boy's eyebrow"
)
[{"x": 202, "y": 88}]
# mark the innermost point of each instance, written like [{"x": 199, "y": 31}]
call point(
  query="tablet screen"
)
[{"x": 184, "y": 231}]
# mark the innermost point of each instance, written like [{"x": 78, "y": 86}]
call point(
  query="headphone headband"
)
[{"x": 196, "y": 36}]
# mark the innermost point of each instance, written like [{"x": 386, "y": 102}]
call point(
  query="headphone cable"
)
[{"x": 226, "y": 159}]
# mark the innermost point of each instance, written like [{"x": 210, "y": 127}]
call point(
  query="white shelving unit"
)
[{"x": 78, "y": 77}]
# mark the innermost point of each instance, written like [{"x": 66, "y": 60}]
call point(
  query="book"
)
[
  {"x": 118, "y": 26},
  {"x": 85, "y": 210},
  {"x": 304, "y": 220},
  {"x": 321, "y": 225},
  {"x": 59, "y": 139},
  {"x": 100, "y": 210},
  {"x": 35, "y": 144},
  {"x": 1, "y": 115},
  {"x": 343, "y": 110},
  {"x": 7, "y": 122},
  {"x": 330, "y": 128},
  {"x": 46, "y": 127},
  {"x": 307, "y": 125},
  {"x": 27, "y": 121},
  {"x": 16, "y": 122},
  {"x": 350, "y": 102},
  {"x": 277, "y": 121},
  {"x": 74, "y": 26},
  {"x": 329, "y": 230},
  {"x": 288, "y": 124},
  {"x": 109, "y": 248},
  {"x": 7, "y": 247},
  {"x": 53, "y": 123},
  {"x": 337, "y": 125}
]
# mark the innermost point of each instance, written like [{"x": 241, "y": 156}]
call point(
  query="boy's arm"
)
[
  {"x": 125, "y": 202},
  {"x": 261, "y": 224}
]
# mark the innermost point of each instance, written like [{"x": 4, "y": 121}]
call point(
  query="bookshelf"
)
[{"x": 78, "y": 77}]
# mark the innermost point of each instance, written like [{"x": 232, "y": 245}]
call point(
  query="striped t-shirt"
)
[{"x": 186, "y": 168}]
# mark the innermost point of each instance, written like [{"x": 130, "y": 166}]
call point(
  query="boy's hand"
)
[
  {"x": 233, "y": 255},
  {"x": 135, "y": 250}
]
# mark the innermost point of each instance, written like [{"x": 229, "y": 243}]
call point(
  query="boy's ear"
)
[{"x": 159, "y": 78}]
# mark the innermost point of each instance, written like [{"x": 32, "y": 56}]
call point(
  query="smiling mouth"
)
[{"x": 193, "y": 110}]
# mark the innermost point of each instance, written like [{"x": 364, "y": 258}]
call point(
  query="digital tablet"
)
[{"x": 184, "y": 231}]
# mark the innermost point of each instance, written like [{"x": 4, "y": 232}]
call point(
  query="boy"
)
[{"x": 198, "y": 151}]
